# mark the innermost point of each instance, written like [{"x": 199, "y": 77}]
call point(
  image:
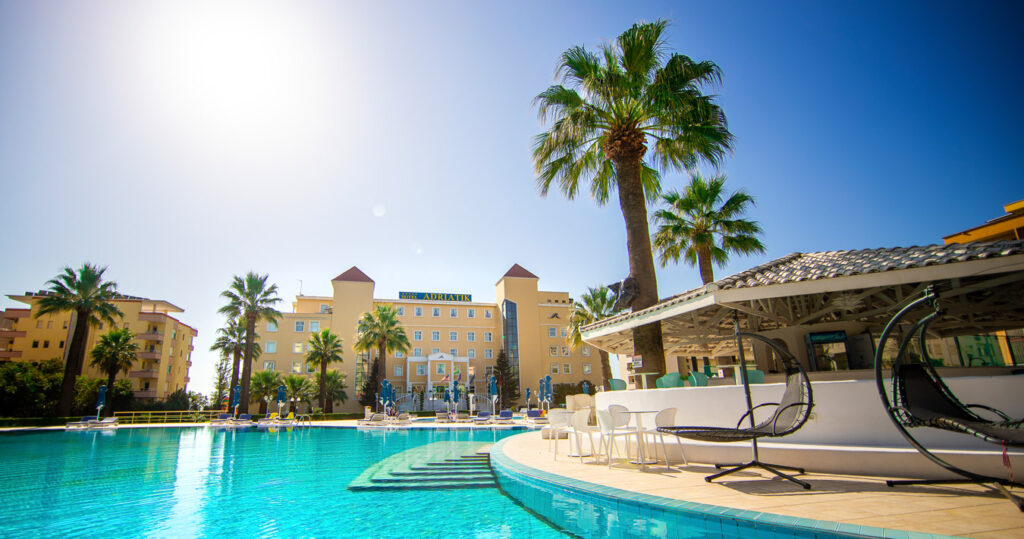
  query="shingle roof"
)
[
  {"x": 518, "y": 271},
  {"x": 353, "y": 274},
  {"x": 826, "y": 265}
]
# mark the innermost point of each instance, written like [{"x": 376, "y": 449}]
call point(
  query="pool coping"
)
[{"x": 616, "y": 495}]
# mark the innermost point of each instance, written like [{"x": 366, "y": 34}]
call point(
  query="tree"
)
[
  {"x": 607, "y": 112},
  {"x": 251, "y": 299},
  {"x": 116, "y": 351},
  {"x": 265, "y": 384},
  {"x": 703, "y": 227},
  {"x": 335, "y": 389},
  {"x": 231, "y": 340},
  {"x": 371, "y": 385},
  {"x": 220, "y": 390},
  {"x": 381, "y": 330},
  {"x": 595, "y": 304},
  {"x": 324, "y": 348},
  {"x": 299, "y": 387},
  {"x": 85, "y": 294},
  {"x": 508, "y": 381},
  {"x": 30, "y": 390},
  {"x": 87, "y": 391}
]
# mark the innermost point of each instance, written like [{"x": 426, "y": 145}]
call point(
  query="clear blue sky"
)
[{"x": 181, "y": 143}]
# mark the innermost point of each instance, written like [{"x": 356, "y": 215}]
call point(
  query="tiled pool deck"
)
[{"x": 859, "y": 504}]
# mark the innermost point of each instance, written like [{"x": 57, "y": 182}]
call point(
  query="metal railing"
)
[{"x": 179, "y": 416}]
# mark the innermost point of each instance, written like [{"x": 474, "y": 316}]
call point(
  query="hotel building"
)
[
  {"x": 448, "y": 333},
  {"x": 165, "y": 344}
]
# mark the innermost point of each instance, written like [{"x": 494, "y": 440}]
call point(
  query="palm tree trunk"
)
[
  {"x": 606, "y": 367},
  {"x": 250, "y": 330},
  {"x": 110, "y": 393},
  {"x": 234, "y": 377},
  {"x": 383, "y": 363},
  {"x": 646, "y": 339},
  {"x": 73, "y": 366},
  {"x": 707, "y": 270},
  {"x": 323, "y": 386}
]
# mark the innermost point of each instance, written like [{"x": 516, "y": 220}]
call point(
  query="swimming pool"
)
[{"x": 185, "y": 482}]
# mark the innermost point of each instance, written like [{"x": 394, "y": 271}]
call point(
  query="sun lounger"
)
[
  {"x": 90, "y": 422},
  {"x": 401, "y": 419},
  {"x": 504, "y": 417},
  {"x": 533, "y": 416},
  {"x": 463, "y": 417},
  {"x": 442, "y": 417},
  {"x": 482, "y": 418},
  {"x": 375, "y": 420}
]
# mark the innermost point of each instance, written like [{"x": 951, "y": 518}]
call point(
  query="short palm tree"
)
[
  {"x": 231, "y": 340},
  {"x": 703, "y": 226},
  {"x": 85, "y": 294},
  {"x": 299, "y": 387},
  {"x": 265, "y": 384},
  {"x": 612, "y": 109},
  {"x": 595, "y": 304},
  {"x": 324, "y": 348},
  {"x": 116, "y": 351},
  {"x": 250, "y": 299},
  {"x": 335, "y": 389},
  {"x": 380, "y": 330}
]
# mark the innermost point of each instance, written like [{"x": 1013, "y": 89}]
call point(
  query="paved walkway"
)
[{"x": 970, "y": 510}]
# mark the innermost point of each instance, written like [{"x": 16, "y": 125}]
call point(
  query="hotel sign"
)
[{"x": 435, "y": 296}]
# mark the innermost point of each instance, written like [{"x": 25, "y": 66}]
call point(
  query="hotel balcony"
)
[
  {"x": 156, "y": 318},
  {"x": 145, "y": 394},
  {"x": 17, "y": 313},
  {"x": 10, "y": 354},
  {"x": 11, "y": 334},
  {"x": 149, "y": 355},
  {"x": 150, "y": 336},
  {"x": 144, "y": 373}
]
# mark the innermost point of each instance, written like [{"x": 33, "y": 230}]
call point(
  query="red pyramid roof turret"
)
[
  {"x": 353, "y": 274},
  {"x": 518, "y": 271}
]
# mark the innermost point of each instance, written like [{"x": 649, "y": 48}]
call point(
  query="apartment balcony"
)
[
  {"x": 156, "y": 318},
  {"x": 144, "y": 373},
  {"x": 10, "y": 354},
  {"x": 145, "y": 394},
  {"x": 11, "y": 334},
  {"x": 150, "y": 337},
  {"x": 17, "y": 313},
  {"x": 149, "y": 355}
]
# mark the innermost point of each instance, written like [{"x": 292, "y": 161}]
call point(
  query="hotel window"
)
[
  {"x": 471, "y": 336},
  {"x": 300, "y": 326},
  {"x": 35, "y": 344},
  {"x": 398, "y": 370},
  {"x": 453, "y": 312},
  {"x": 565, "y": 350},
  {"x": 435, "y": 351},
  {"x": 587, "y": 368},
  {"x": 554, "y": 368},
  {"x": 314, "y": 326},
  {"x": 488, "y": 337},
  {"x": 471, "y": 353},
  {"x": 435, "y": 312},
  {"x": 399, "y": 354},
  {"x": 310, "y": 368},
  {"x": 401, "y": 311},
  {"x": 552, "y": 332},
  {"x": 453, "y": 351},
  {"x": 453, "y": 335},
  {"x": 271, "y": 326},
  {"x": 49, "y": 325},
  {"x": 470, "y": 313},
  {"x": 174, "y": 334},
  {"x": 297, "y": 348},
  {"x": 101, "y": 325},
  {"x": 421, "y": 370},
  {"x": 418, "y": 352},
  {"x": 39, "y": 324},
  {"x": 324, "y": 308},
  {"x": 46, "y": 344},
  {"x": 439, "y": 369},
  {"x": 566, "y": 368},
  {"x": 435, "y": 336},
  {"x": 417, "y": 335},
  {"x": 65, "y": 324},
  {"x": 61, "y": 344},
  {"x": 552, "y": 350},
  {"x": 268, "y": 365},
  {"x": 271, "y": 347},
  {"x": 418, "y": 311},
  {"x": 488, "y": 354},
  {"x": 487, "y": 314},
  {"x": 297, "y": 367},
  {"x": 586, "y": 351},
  {"x": 563, "y": 333}
]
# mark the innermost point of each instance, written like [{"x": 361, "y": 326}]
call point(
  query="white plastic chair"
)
[
  {"x": 664, "y": 418},
  {"x": 606, "y": 425},
  {"x": 579, "y": 426},
  {"x": 558, "y": 422}
]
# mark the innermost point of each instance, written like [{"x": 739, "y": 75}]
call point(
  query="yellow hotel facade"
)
[
  {"x": 165, "y": 343},
  {"x": 447, "y": 332}
]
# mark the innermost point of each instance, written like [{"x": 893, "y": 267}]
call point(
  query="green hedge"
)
[{"x": 36, "y": 421}]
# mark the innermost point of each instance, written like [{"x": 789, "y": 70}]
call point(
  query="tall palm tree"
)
[
  {"x": 324, "y": 348},
  {"x": 381, "y": 330},
  {"x": 251, "y": 299},
  {"x": 116, "y": 351},
  {"x": 595, "y": 304},
  {"x": 85, "y": 294},
  {"x": 231, "y": 340},
  {"x": 608, "y": 111},
  {"x": 703, "y": 226},
  {"x": 299, "y": 387},
  {"x": 265, "y": 384},
  {"x": 335, "y": 389}
]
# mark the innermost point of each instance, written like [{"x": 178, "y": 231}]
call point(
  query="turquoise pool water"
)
[{"x": 190, "y": 482}]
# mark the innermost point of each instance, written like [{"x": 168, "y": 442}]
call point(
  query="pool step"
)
[{"x": 441, "y": 465}]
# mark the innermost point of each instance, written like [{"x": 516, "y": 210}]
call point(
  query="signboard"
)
[
  {"x": 826, "y": 337},
  {"x": 638, "y": 362},
  {"x": 435, "y": 296}
]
